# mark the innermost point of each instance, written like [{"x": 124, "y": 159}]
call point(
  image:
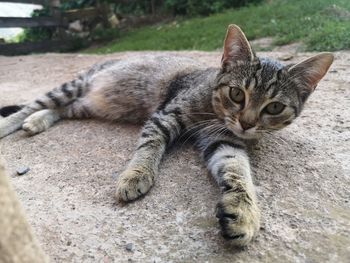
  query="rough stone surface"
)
[{"x": 301, "y": 174}]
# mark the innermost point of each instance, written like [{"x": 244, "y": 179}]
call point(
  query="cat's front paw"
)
[
  {"x": 133, "y": 183},
  {"x": 239, "y": 218}
]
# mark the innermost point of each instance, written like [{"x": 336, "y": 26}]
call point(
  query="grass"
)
[{"x": 319, "y": 24}]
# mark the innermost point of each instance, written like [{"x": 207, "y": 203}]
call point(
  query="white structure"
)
[{"x": 15, "y": 10}]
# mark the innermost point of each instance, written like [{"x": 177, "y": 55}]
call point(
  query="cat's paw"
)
[
  {"x": 239, "y": 218},
  {"x": 133, "y": 183},
  {"x": 37, "y": 122}
]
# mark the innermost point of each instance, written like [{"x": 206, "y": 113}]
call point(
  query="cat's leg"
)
[
  {"x": 14, "y": 122},
  {"x": 42, "y": 120},
  {"x": 57, "y": 98},
  {"x": 237, "y": 211},
  {"x": 138, "y": 177}
]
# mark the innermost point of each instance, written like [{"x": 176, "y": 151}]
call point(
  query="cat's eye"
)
[
  {"x": 237, "y": 95},
  {"x": 274, "y": 108}
]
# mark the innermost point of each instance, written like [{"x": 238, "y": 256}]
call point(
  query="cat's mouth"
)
[
  {"x": 246, "y": 134},
  {"x": 236, "y": 129}
]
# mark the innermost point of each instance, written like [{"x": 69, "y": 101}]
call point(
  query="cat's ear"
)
[
  {"x": 236, "y": 46},
  {"x": 310, "y": 71}
]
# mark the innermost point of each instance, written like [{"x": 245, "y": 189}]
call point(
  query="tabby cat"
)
[{"x": 220, "y": 108}]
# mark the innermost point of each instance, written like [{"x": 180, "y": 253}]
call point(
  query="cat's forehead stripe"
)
[
  {"x": 250, "y": 83},
  {"x": 272, "y": 87},
  {"x": 272, "y": 82},
  {"x": 258, "y": 76}
]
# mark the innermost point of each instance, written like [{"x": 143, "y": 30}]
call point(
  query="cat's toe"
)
[
  {"x": 30, "y": 128},
  {"x": 34, "y": 124},
  {"x": 239, "y": 218},
  {"x": 132, "y": 184}
]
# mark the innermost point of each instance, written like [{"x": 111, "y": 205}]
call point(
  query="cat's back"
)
[
  {"x": 139, "y": 83},
  {"x": 157, "y": 67}
]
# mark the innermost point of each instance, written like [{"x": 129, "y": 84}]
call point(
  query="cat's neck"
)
[{"x": 200, "y": 99}]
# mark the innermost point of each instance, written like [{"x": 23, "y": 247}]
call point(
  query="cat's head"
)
[{"x": 255, "y": 95}]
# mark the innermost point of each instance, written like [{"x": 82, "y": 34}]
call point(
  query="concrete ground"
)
[{"x": 302, "y": 176}]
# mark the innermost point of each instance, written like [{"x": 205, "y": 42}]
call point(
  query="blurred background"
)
[{"x": 118, "y": 25}]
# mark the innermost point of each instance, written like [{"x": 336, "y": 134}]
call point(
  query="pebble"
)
[
  {"x": 23, "y": 170},
  {"x": 286, "y": 57},
  {"x": 129, "y": 247}
]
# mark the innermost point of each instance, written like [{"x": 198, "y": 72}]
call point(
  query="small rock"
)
[
  {"x": 286, "y": 57},
  {"x": 75, "y": 26},
  {"x": 23, "y": 170},
  {"x": 333, "y": 71},
  {"x": 69, "y": 243},
  {"x": 113, "y": 21},
  {"x": 129, "y": 247}
]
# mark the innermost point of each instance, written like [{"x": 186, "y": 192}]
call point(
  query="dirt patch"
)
[
  {"x": 268, "y": 44},
  {"x": 265, "y": 43},
  {"x": 302, "y": 178}
]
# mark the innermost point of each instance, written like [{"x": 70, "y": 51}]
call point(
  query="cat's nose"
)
[{"x": 246, "y": 125}]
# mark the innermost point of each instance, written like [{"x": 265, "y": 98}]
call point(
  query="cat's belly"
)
[
  {"x": 123, "y": 100},
  {"x": 133, "y": 91}
]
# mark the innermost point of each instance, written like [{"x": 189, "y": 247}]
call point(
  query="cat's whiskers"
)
[
  {"x": 212, "y": 130},
  {"x": 202, "y": 113},
  {"x": 274, "y": 137},
  {"x": 221, "y": 131},
  {"x": 209, "y": 130},
  {"x": 197, "y": 127},
  {"x": 199, "y": 123},
  {"x": 277, "y": 136}
]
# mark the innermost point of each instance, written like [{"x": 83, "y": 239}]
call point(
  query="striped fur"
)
[
  {"x": 8, "y": 110},
  {"x": 178, "y": 98}
]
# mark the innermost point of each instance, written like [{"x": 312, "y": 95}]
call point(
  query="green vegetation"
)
[
  {"x": 202, "y": 7},
  {"x": 319, "y": 24},
  {"x": 35, "y": 33},
  {"x": 176, "y": 7}
]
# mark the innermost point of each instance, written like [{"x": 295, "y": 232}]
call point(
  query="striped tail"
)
[
  {"x": 8, "y": 110},
  {"x": 57, "y": 98}
]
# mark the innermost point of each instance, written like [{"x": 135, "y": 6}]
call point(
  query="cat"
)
[{"x": 220, "y": 108}]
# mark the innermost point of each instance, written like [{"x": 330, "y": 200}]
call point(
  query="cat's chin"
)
[
  {"x": 245, "y": 135},
  {"x": 248, "y": 136}
]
